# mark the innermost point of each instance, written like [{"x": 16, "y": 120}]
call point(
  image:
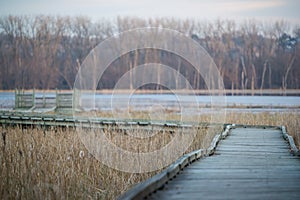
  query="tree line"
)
[{"x": 45, "y": 52}]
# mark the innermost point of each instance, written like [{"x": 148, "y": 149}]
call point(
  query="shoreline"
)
[{"x": 227, "y": 92}]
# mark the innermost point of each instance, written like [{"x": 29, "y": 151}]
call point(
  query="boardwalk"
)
[{"x": 251, "y": 163}]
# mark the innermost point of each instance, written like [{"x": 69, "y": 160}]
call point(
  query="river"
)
[{"x": 169, "y": 101}]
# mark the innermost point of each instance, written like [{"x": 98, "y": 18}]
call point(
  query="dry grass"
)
[
  {"x": 54, "y": 164},
  {"x": 289, "y": 119}
]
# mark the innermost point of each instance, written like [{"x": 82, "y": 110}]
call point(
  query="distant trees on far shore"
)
[{"x": 45, "y": 52}]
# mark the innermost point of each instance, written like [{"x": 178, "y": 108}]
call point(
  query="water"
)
[{"x": 106, "y": 102}]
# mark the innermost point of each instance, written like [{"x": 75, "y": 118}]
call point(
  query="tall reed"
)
[{"x": 54, "y": 164}]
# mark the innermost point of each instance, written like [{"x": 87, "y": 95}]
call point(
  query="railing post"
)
[
  {"x": 44, "y": 99},
  {"x": 16, "y": 98},
  {"x": 33, "y": 98},
  {"x": 76, "y": 98},
  {"x": 56, "y": 98}
]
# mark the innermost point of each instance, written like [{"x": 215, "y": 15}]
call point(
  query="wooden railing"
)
[
  {"x": 44, "y": 101},
  {"x": 64, "y": 102},
  {"x": 59, "y": 102},
  {"x": 24, "y": 100},
  {"x": 37, "y": 119}
]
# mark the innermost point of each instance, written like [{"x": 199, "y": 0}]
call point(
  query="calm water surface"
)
[{"x": 169, "y": 101}]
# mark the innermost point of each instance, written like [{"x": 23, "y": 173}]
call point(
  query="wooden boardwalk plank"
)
[{"x": 251, "y": 163}]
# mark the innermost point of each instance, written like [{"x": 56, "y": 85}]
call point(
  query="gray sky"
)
[{"x": 196, "y": 9}]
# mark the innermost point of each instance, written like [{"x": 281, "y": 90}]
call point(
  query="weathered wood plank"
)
[
  {"x": 250, "y": 163},
  {"x": 227, "y": 194}
]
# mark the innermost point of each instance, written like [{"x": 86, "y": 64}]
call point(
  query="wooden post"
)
[
  {"x": 44, "y": 99},
  {"x": 16, "y": 98},
  {"x": 56, "y": 97},
  {"x": 76, "y": 97},
  {"x": 33, "y": 98}
]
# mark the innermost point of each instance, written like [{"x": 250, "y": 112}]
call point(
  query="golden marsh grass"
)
[{"x": 54, "y": 164}]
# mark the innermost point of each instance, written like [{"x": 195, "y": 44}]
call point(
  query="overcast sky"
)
[{"x": 196, "y": 9}]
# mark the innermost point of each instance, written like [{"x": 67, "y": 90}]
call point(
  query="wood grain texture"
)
[{"x": 251, "y": 163}]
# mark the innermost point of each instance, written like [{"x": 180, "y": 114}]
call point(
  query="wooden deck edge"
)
[
  {"x": 20, "y": 118},
  {"x": 255, "y": 126},
  {"x": 212, "y": 148},
  {"x": 149, "y": 186},
  {"x": 294, "y": 150}
]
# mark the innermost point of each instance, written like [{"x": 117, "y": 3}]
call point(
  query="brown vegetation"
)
[
  {"x": 54, "y": 164},
  {"x": 45, "y": 52},
  {"x": 289, "y": 119},
  {"x": 39, "y": 164}
]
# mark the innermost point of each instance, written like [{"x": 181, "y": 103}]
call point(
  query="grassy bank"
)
[{"x": 54, "y": 164}]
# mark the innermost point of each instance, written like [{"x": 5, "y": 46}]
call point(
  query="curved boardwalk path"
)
[{"x": 251, "y": 163}]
